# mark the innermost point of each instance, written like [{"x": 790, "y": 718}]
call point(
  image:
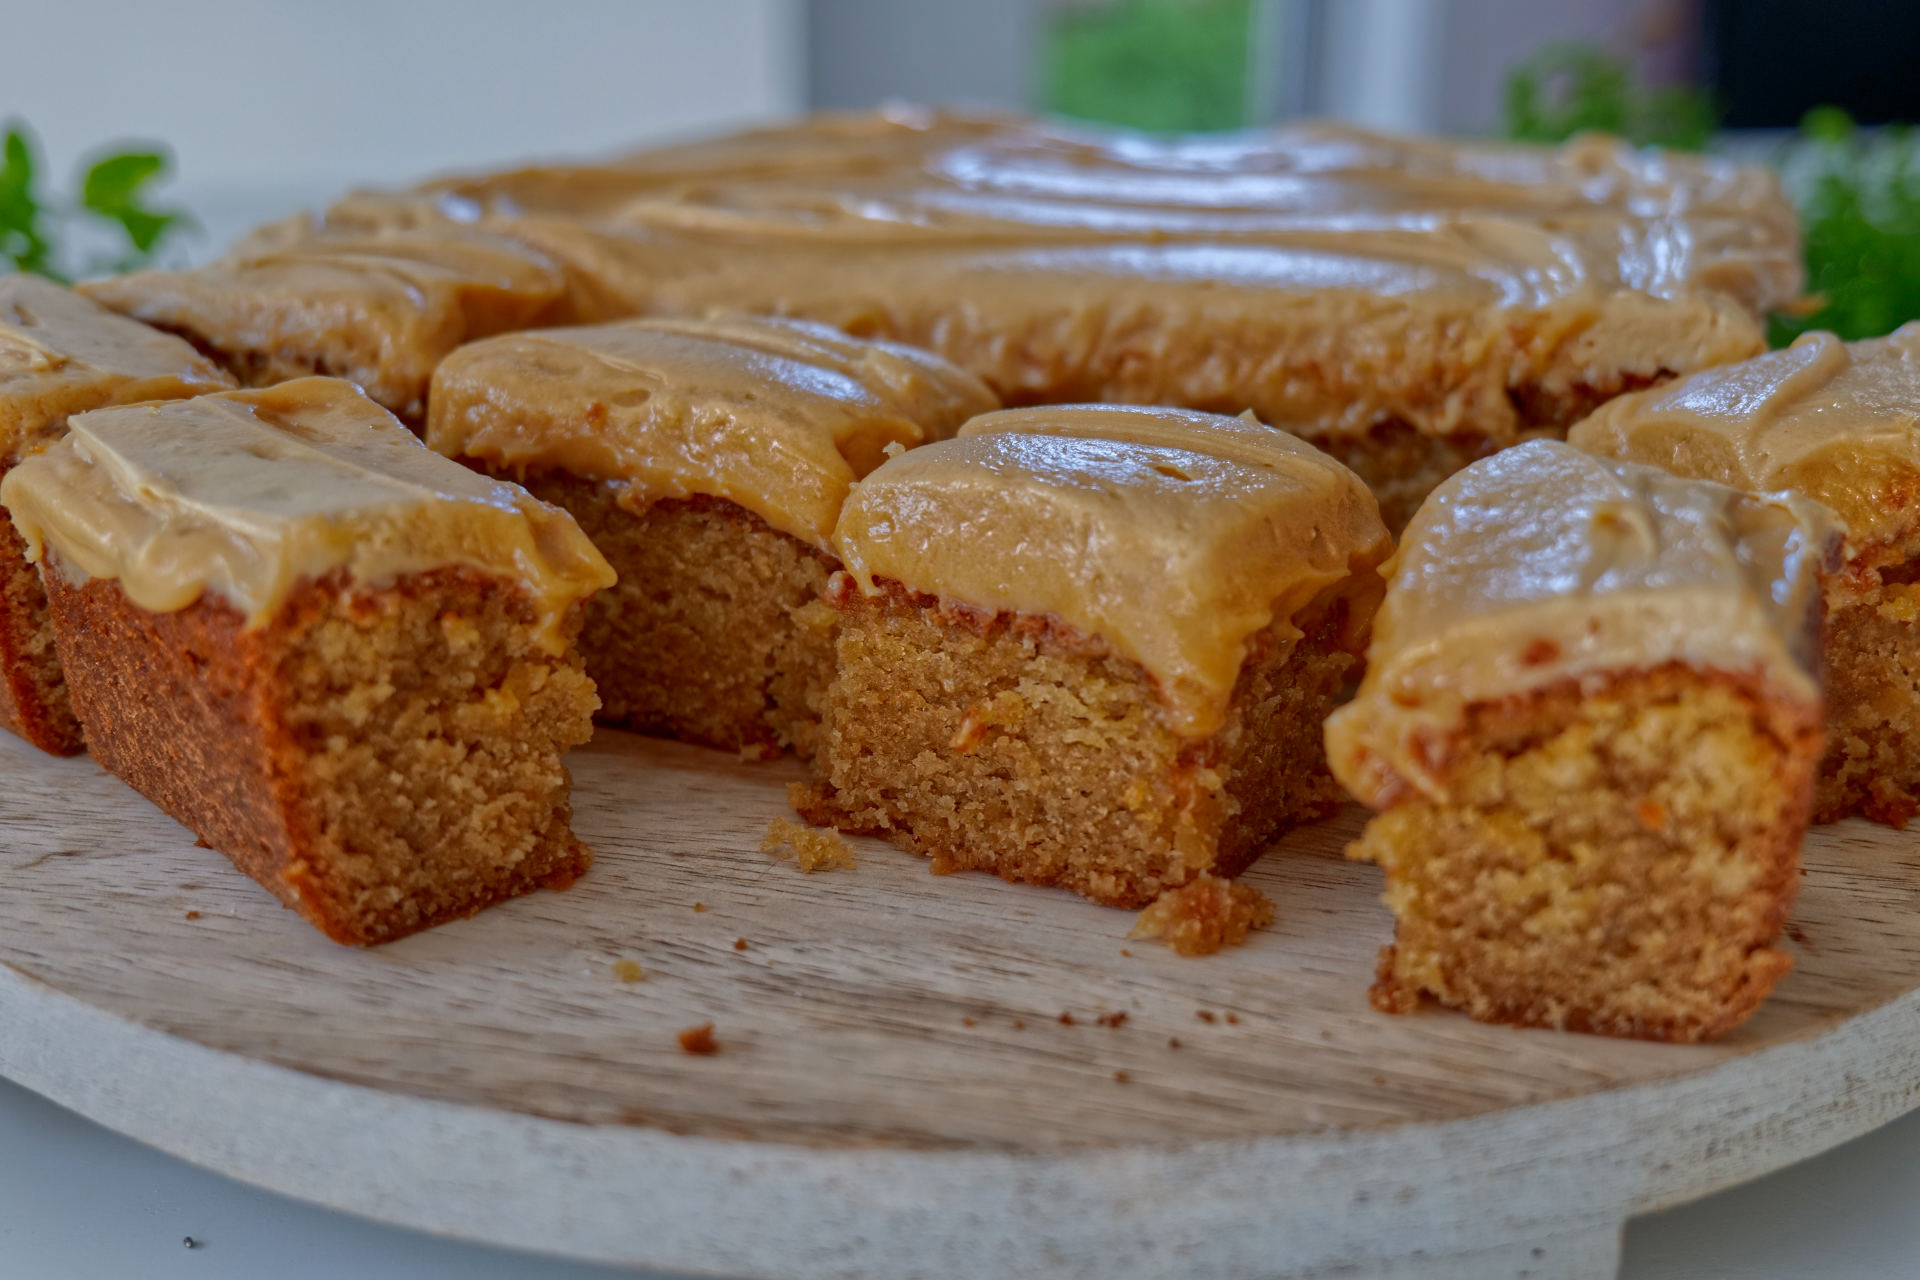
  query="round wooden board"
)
[{"x": 914, "y": 1076}]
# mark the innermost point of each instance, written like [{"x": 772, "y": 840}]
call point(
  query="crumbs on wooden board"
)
[
  {"x": 811, "y": 849},
  {"x": 1205, "y": 915}
]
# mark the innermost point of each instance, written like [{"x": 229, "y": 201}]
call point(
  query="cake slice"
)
[
  {"x": 1093, "y": 647},
  {"x": 340, "y": 659},
  {"x": 1590, "y": 722},
  {"x": 379, "y": 308},
  {"x": 1839, "y": 423},
  {"x": 61, "y": 355},
  {"x": 707, "y": 459}
]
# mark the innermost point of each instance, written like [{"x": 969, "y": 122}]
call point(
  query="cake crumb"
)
[
  {"x": 811, "y": 849},
  {"x": 1205, "y": 1015},
  {"x": 758, "y": 752},
  {"x": 1113, "y": 1019},
  {"x": 1205, "y": 915},
  {"x": 1066, "y": 1019},
  {"x": 699, "y": 1040},
  {"x": 699, "y": 906},
  {"x": 193, "y": 915},
  {"x": 739, "y": 944},
  {"x": 1126, "y": 953},
  {"x": 629, "y": 971},
  {"x": 1173, "y": 1042},
  {"x": 1121, "y": 1077},
  {"x": 968, "y": 1022},
  {"x": 1233, "y": 1019},
  {"x": 1019, "y": 1024}
]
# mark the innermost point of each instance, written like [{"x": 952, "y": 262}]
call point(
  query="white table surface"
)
[{"x": 78, "y": 1202}]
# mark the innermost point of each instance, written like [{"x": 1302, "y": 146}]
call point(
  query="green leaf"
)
[
  {"x": 24, "y": 239},
  {"x": 1859, "y": 201},
  {"x": 1567, "y": 89},
  {"x": 114, "y": 188},
  {"x": 115, "y": 182}
]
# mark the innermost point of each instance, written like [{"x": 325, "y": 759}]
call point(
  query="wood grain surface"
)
[{"x": 884, "y": 1011}]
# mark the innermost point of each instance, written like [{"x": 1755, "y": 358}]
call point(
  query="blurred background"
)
[{"x": 257, "y": 108}]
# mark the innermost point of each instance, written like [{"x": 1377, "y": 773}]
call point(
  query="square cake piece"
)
[
  {"x": 61, "y": 355},
  {"x": 380, "y": 308},
  {"x": 340, "y": 659},
  {"x": 1839, "y": 423},
  {"x": 1590, "y": 721},
  {"x": 707, "y": 459},
  {"x": 1093, "y": 647}
]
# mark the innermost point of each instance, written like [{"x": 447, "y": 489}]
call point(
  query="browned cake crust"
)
[
  {"x": 1616, "y": 859},
  {"x": 715, "y": 632},
  {"x": 382, "y": 760},
  {"x": 1872, "y": 764},
  {"x": 33, "y": 691},
  {"x": 1014, "y": 744}
]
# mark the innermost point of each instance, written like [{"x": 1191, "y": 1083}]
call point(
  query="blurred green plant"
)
[
  {"x": 1858, "y": 194},
  {"x": 115, "y": 190},
  {"x": 1575, "y": 88},
  {"x": 1859, "y": 202},
  {"x": 1163, "y": 65}
]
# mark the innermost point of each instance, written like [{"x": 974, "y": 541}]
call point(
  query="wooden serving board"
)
[{"x": 899, "y": 1091}]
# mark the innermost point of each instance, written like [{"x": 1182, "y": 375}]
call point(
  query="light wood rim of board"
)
[{"x": 1472, "y": 1194}]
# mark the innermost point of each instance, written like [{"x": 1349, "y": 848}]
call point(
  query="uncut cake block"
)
[
  {"x": 379, "y": 308},
  {"x": 1407, "y": 304},
  {"x": 1092, "y": 647},
  {"x": 1590, "y": 722},
  {"x": 1840, "y": 423},
  {"x": 340, "y": 659},
  {"x": 707, "y": 459},
  {"x": 61, "y": 355}
]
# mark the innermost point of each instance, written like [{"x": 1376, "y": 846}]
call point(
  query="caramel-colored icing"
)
[
  {"x": 1543, "y": 564},
  {"x": 1325, "y": 277},
  {"x": 61, "y": 354},
  {"x": 246, "y": 494},
  {"x": 779, "y": 417},
  {"x": 379, "y": 307},
  {"x": 1835, "y": 421},
  {"x": 1172, "y": 536}
]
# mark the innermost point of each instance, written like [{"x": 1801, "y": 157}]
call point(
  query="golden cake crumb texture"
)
[
  {"x": 811, "y": 848},
  {"x": 1204, "y": 916}
]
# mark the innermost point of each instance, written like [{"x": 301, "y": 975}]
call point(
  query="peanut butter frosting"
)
[
  {"x": 380, "y": 308},
  {"x": 779, "y": 417},
  {"x": 1325, "y": 277},
  {"x": 1171, "y": 535},
  {"x": 1543, "y": 564},
  {"x": 61, "y": 354},
  {"x": 1835, "y": 421},
  {"x": 246, "y": 494}
]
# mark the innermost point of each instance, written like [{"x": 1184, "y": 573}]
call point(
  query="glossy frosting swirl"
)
[{"x": 1327, "y": 278}]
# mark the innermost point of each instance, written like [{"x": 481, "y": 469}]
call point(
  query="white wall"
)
[
  {"x": 271, "y": 104},
  {"x": 979, "y": 52}
]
